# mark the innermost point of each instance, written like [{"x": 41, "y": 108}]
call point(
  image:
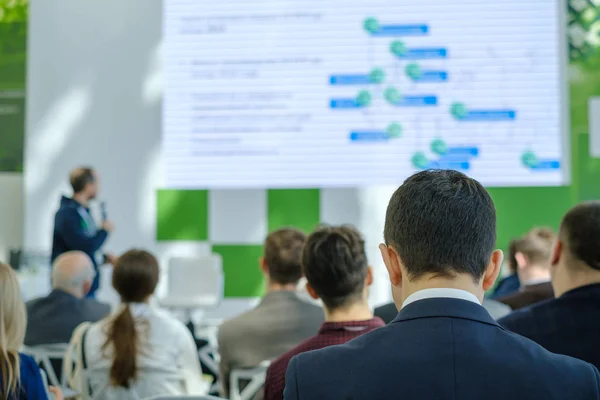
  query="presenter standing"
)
[{"x": 74, "y": 227}]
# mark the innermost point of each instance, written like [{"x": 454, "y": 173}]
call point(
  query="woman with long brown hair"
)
[
  {"x": 19, "y": 374},
  {"x": 140, "y": 351}
]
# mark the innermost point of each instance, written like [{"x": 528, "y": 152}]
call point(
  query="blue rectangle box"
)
[
  {"x": 424, "y": 54},
  {"x": 344, "y": 103},
  {"x": 417, "y": 101},
  {"x": 464, "y": 165},
  {"x": 463, "y": 151},
  {"x": 402, "y": 30},
  {"x": 432, "y": 76},
  {"x": 368, "y": 136},
  {"x": 490, "y": 115},
  {"x": 546, "y": 165},
  {"x": 356, "y": 79}
]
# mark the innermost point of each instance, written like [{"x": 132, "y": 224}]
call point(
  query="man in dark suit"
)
[
  {"x": 569, "y": 324},
  {"x": 52, "y": 319},
  {"x": 532, "y": 254},
  {"x": 440, "y": 233}
]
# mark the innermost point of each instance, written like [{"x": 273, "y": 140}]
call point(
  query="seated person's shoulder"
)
[
  {"x": 348, "y": 352},
  {"x": 528, "y": 319},
  {"x": 102, "y": 309}
]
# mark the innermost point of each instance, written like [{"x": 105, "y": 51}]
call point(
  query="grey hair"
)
[{"x": 71, "y": 277}]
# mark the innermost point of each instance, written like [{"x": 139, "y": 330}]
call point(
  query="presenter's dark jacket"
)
[
  {"x": 528, "y": 295},
  {"x": 567, "y": 325},
  {"x": 440, "y": 349},
  {"x": 52, "y": 319},
  {"x": 74, "y": 229}
]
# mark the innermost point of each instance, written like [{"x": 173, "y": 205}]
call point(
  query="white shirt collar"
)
[{"x": 440, "y": 292}]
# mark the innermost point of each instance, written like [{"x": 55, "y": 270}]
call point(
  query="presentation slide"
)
[{"x": 324, "y": 93}]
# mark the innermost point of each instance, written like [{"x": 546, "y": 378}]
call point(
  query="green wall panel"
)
[
  {"x": 243, "y": 277},
  {"x": 182, "y": 215},
  {"x": 293, "y": 207}
]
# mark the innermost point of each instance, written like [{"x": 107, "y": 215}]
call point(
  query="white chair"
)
[
  {"x": 255, "y": 378},
  {"x": 194, "y": 283},
  {"x": 43, "y": 354},
  {"x": 209, "y": 356}
]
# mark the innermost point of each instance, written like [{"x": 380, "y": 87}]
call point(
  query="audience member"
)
[
  {"x": 74, "y": 227},
  {"x": 497, "y": 310},
  {"x": 532, "y": 253},
  {"x": 52, "y": 319},
  {"x": 334, "y": 263},
  {"x": 440, "y": 232},
  {"x": 569, "y": 324},
  {"x": 281, "y": 320},
  {"x": 510, "y": 284},
  {"x": 20, "y": 377},
  {"x": 140, "y": 351}
]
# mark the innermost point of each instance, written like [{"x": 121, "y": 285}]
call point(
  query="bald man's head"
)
[
  {"x": 73, "y": 272},
  {"x": 84, "y": 180}
]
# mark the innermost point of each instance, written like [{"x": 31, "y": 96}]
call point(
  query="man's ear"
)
[
  {"x": 521, "y": 260},
  {"x": 493, "y": 269},
  {"x": 557, "y": 252},
  {"x": 263, "y": 265},
  {"x": 369, "y": 278},
  {"x": 87, "y": 285},
  {"x": 311, "y": 291},
  {"x": 392, "y": 264}
]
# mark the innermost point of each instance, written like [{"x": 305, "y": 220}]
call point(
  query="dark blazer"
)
[
  {"x": 52, "y": 319},
  {"x": 567, "y": 325},
  {"x": 440, "y": 349},
  {"x": 508, "y": 285},
  {"x": 386, "y": 312},
  {"x": 528, "y": 295}
]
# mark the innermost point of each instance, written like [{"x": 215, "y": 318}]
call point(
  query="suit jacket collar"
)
[
  {"x": 445, "y": 307},
  {"x": 583, "y": 291}
]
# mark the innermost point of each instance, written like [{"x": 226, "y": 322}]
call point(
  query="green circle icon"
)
[
  {"x": 458, "y": 110},
  {"x": 398, "y": 48},
  {"x": 529, "y": 159},
  {"x": 377, "y": 75},
  {"x": 392, "y": 95},
  {"x": 364, "y": 98},
  {"x": 394, "y": 130},
  {"x": 371, "y": 25},
  {"x": 419, "y": 160},
  {"x": 438, "y": 146},
  {"x": 413, "y": 71}
]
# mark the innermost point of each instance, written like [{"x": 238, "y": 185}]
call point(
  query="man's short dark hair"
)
[
  {"x": 580, "y": 230},
  {"x": 441, "y": 222},
  {"x": 335, "y": 264},
  {"x": 80, "y": 177},
  {"x": 283, "y": 249}
]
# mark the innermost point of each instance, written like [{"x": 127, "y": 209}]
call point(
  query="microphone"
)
[{"x": 103, "y": 211}]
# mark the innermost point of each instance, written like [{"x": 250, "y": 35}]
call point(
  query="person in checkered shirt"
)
[{"x": 335, "y": 265}]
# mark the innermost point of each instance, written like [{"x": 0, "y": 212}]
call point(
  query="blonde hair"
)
[{"x": 13, "y": 321}]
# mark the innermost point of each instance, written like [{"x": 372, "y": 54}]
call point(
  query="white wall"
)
[{"x": 11, "y": 221}]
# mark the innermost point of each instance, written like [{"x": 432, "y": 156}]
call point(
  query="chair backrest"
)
[
  {"x": 196, "y": 280},
  {"x": 43, "y": 354},
  {"x": 209, "y": 357},
  {"x": 255, "y": 378}
]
